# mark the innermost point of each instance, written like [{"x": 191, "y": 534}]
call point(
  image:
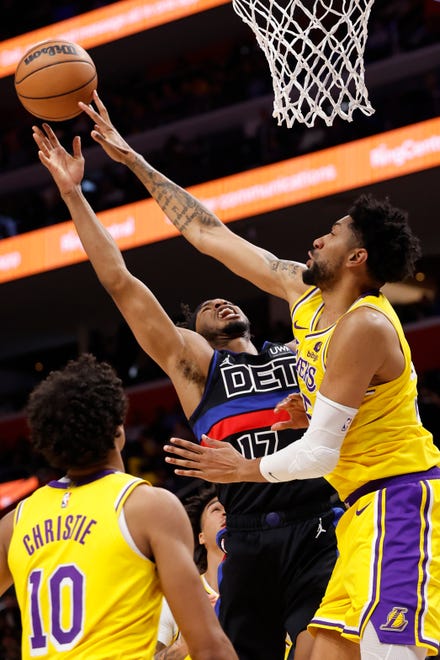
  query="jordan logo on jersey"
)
[{"x": 396, "y": 620}]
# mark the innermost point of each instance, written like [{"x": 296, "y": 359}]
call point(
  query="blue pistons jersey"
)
[{"x": 237, "y": 406}]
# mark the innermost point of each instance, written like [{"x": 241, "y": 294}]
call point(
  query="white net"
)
[{"x": 315, "y": 50}]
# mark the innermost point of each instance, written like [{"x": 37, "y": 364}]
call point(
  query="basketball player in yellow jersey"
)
[
  {"x": 359, "y": 390},
  {"x": 383, "y": 599},
  {"x": 91, "y": 554}
]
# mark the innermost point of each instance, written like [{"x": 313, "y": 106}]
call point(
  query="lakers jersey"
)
[
  {"x": 386, "y": 438},
  {"x": 85, "y": 591},
  {"x": 237, "y": 406}
]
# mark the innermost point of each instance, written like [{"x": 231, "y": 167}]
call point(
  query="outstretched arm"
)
[
  {"x": 168, "y": 345},
  {"x": 197, "y": 224}
]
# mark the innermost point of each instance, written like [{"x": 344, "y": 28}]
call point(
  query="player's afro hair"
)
[
  {"x": 74, "y": 414},
  {"x": 383, "y": 230}
]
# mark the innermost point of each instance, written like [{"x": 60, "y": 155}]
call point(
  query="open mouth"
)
[{"x": 227, "y": 313}]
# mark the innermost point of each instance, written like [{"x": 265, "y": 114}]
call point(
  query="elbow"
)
[
  {"x": 316, "y": 462},
  {"x": 113, "y": 280}
]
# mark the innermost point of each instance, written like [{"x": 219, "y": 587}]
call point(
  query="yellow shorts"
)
[{"x": 388, "y": 568}]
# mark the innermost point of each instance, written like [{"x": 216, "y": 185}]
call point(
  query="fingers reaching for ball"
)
[{"x": 105, "y": 134}]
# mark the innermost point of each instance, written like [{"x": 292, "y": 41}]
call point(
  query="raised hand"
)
[
  {"x": 293, "y": 405},
  {"x": 105, "y": 134},
  {"x": 67, "y": 170}
]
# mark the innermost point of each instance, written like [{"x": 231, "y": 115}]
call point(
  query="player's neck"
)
[
  {"x": 113, "y": 463},
  {"x": 236, "y": 344}
]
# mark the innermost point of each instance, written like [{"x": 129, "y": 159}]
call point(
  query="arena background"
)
[{"x": 194, "y": 95}]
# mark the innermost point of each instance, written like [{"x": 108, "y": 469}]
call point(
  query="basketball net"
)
[{"x": 315, "y": 50}]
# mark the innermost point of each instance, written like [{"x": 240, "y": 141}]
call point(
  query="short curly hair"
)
[
  {"x": 195, "y": 506},
  {"x": 189, "y": 316},
  {"x": 383, "y": 230},
  {"x": 73, "y": 415}
]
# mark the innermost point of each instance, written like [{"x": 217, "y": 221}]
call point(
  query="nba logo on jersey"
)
[
  {"x": 65, "y": 500},
  {"x": 396, "y": 620}
]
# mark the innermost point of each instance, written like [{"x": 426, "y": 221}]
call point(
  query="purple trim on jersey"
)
[
  {"x": 18, "y": 510},
  {"x": 124, "y": 491},
  {"x": 372, "y": 292},
  {"x": 377, "y": 484},
  {"x": 81, "y": 482},
  {"x": 326, "y": 623},
  {"x": 303, "y": 298},
  {"x": 238, "y": 406}
]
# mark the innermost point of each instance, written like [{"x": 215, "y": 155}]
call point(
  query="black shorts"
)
[{"x": 273, "y": 577}]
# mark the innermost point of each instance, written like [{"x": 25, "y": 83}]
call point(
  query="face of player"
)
[
  {"x": 329, "y": 253},
  {"x": 220, "y": 317},
  {"x": 212, "y": 521}
]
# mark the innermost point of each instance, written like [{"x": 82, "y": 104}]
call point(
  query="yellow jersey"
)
[
  {"x": 84, "y": 589},
  {"x": 386, "y": 437}
]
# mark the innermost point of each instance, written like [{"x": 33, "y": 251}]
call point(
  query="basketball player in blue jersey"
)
[
  {"x": 280, "y": 543},
  {"x": 359, "y": 389},
  {"x": 91, "y": 554}
]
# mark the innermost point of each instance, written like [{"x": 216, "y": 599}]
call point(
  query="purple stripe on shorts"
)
[
  {"x": 426, "y": 514},
  {"x": 375, "y": 570},
  {"x": 394, "y": 617}
]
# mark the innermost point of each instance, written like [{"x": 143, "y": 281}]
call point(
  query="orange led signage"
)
[{"x": 362, "y": 162}]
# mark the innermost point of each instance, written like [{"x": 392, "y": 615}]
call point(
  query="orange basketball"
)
[{"x": 52, "y": 77}]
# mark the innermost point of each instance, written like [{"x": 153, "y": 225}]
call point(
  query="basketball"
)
[{"x": 52, "y": 77}]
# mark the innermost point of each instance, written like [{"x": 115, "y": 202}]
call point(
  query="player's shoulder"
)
[
  {"x": 154, "y": 498},
  {"x": 362, "y": 328},
  {"x": 365, "y": 318}
]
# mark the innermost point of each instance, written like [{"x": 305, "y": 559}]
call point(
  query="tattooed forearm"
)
[
  {"x": 177, "y": 651},
  {"x": 282, "y": 265},
  {"x": 178, "y": 205}
]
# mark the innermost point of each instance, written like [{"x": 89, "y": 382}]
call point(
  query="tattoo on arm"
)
[
  {"x": 289, "y": 267},
  {"x": 173, "y": 652},
  {"x": 178, "y": 205}
]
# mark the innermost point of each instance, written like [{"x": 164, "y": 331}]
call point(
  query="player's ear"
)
[
  {"x": 120, "y": 438},
  {"x": 201, "y": 538},
  {"x": 358, "y": 256}
]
